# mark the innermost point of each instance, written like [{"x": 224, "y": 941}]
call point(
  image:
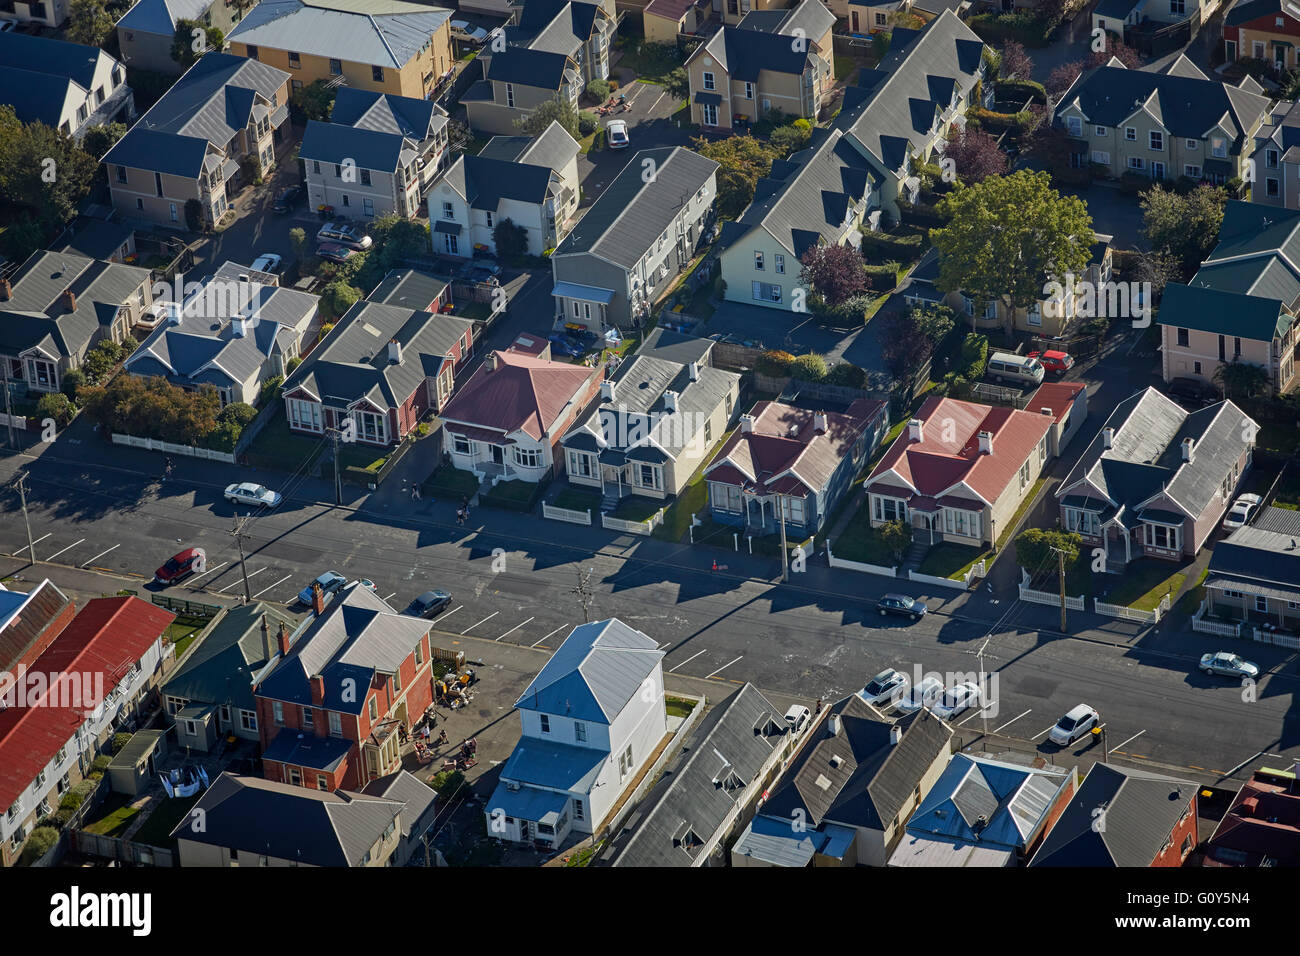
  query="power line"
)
[
  {"x": 584, "y": 592},
  {"x": 240, "y": 534}
]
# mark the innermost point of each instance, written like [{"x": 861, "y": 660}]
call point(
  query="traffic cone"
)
[{"x": 715, "y": 564}]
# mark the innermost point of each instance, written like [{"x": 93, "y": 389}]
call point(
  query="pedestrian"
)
[
  {"x": 818, "y": 709},
  {"x": 415, "y": 492}
]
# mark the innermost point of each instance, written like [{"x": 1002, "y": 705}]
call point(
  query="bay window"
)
[
  {"x": 794, "y": 509},
  {"x": 888, "y": 509},
  {"x": 1162, "y": 536},
  {"x": 962, "y": 522},
  {"x": 528, "y": 457},
  {"x": 305, "y": 415},
  {"x": 1083, "y": 522},
  {"x": 724, "y": 497},
  {"x": 462, "y": 445},
  {"x": 371, "y": 426},
  {"x": 580, "y": 464}
]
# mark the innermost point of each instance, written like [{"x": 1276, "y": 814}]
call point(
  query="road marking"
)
[
  {"x": 452, "y": 611},
  {"x": 101, "y": 554},
  {"x": 969, "y": 717},
  {"x": 664, "y": 644},
  {"x": 723, "y": 667},
  {"x": 1013, "y": 720},
  {"x": 269, "y": 586},
  {"x": 239, "y": 580},
  {"x": 513, "y": 629},
  {"x": 687, "y": 661},
  {"x": 1041, "y": 732},
  {"x": 1129, "y": 741},
  {"x": 201, "y": 573},
  {"x": 389, "y": 596},
  {"x": 24, "y": 547},
  {"x": 68, "y": 548},
  {"x": 556, "y": 631},
  {"x": 472, "y": 626}
]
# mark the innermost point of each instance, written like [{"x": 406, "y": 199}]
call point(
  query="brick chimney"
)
[
  {"x": 70, "y": 300},
  {"x": 6, "y": 290},
  {"x": 317, "y": 600},
  {"x": 268, "y": 648},
  {"x": 283, "y": 639},
  {"x": 317, "y": 690}
]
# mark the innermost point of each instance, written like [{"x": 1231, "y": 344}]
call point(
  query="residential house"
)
[
  {"x": 107, "y": 239},
  {"x": 1067, "y": 404},
  {"x": 29, "y": 623},
  {"x": 592, "y": 719},
  {"x": 238, "y": 332},
  {"x": 57, "y": 306},
  {"x": 654, "y": 426},
  {"x": 382, "y": 367},
  {"x": 384, "y": 46},
  {"x": 1267, "y": 30},
  {"x": 1146, "y": 819},
  {"x": 1154, "y": 27},
  {"x": 248, "y": 821},
  {"x": 632, "y": 242},
  {"x": 1157, "y": 479},
  {"x": 853, "y": 785},
  {"x": 531, "y": 182},
  {"x": 984, "y": 813},
  {"x": 329, "y": 708},
  {"x": 223, "y": 113},
  {"x": 819, "y": 196},
  {"x": 90, "y": 680},
  {"x": 665, "y": 20},
  {"x": 507, "y": 421},
  {"x": 377, "y": 156},
  {"x": 868, "y": 17},
  {"x": 738, "y": 750},
  {"x": 771, "y": 60},
  {"x": 1277, "y": 159},
  {"x": 67, "y": 86},
  {"x": 214, "y": 680},
  {"x": 960, "y": 471},
  {"x": 1162, "y": 125},
  {"x": 791, "y": 466},
  {"x": 733, "y": 11},
  {"x": 48, "y": 13},
  {"x": 1242, "y": 303},
  {"x": 1255, "y": 576},
  {"x": 146, "y": 31},
  {"x": 1262, "y": 827}
]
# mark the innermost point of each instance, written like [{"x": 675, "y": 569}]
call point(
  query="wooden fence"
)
[
  {"x": 190, "y": 609},
  {"x": 1132, "y": 613},
  {"x": 566, "y": 514},
  {"x": 171, "y": 448},
  {"x": 123, "y": 851}
]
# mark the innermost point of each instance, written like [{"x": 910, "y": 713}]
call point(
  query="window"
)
[
  {"x": 1101, "y": 157},
  {"x": 322, "y": 782},
  {"x": 1270, "y": 158},
  {"x": 447, "y": 211},
  {"x": 296, "y": 84},
  {"x": 336, "y": 68},
  {"x": 295, "y": 62},
  {"x": 1196, "y": 367},
  {"x": 308, "y": 719},
  {"x": 758, "y": 261},
  {"x": 1192, "y": 172},
  {"x": 1271, "y": 187},
  {"x": 336, "y": 724},
  {"x": 708, "y": 430},
  {"x": 579, "y": 731},
  {"x": 365, "y": 179},
  {"x": 252, "y": 52},
  {"x": 121, "y": 174},
  {"x": 191, "y": 728},
  {"x": 709, "y": 114},
  {"x": 489, "y": 219},
  {"x": 510, "y": 94},
  {"x": 649, "y": 476},
  {"x": 248, "y": 721},
  {"x": 579, "y": 464},
  {"x": 1024, "y": 475},
  {"x": 779, "y": 263},
  {"x": 578, "y": 810},
  {"x": 277, "y": 713},
  {"x": 1074, "y": 125},
  {"x": 1136, "y": 162},
  {"x": 397, "y": 681},
  {"x": 1261, "y": 602},
  {"x": 749, "y": 90},
  {"x": 305, "y": 416},
  {"x": 1157, "y": 140},
  {"x": 368, "y": 207},
  {"x": 1131, "y": 133},
  {"x": 1219, "y": 146},
  {"x": 708, "y": 81},
  {"x": 419, "y": 656},
  {"x": 377, "y": 74},
  {"x": 545, "y": 723},
  {"x": 374, "y": 709},
  {"x": 1184, "y": 338},
  {"x": 528, "y": 457},
  {"x": 1178, "y": 6},
  {"x": 1099, "y": 130}
]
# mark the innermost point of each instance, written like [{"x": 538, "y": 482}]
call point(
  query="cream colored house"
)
[
  {"x": 1277, "y": 159},
  {"x": 67, "y": 86}
]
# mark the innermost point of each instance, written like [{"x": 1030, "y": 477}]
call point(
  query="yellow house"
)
[
  {"x": 665, "y": 19},
  {"x": 385, "y": 46}
]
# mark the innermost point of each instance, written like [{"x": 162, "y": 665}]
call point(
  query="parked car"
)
[
  {"x": 288, "y": 199},
  {"x": 884, "y": 687},
  {"x": 268, "y": 262},
  {"x": 1054, "y": 361},
  {"x": 155, "y": 315},
  {"x": 334, "y": 252},
  {"x": 252, "y": 494},
  {"x": 924, "y": 694},
  {"x": 1228, "y": 664},
  {"x": 1242, "y": 510},
  {"x": 368, "y": 584},
  {"x": 901, "y": 604},
  {"x": 797, "y": 717},
  {"x": 956, "y": 699},
  {"x": 484, "y": 261},
  {"x": 429, "y": 604},
  {"x": 6, "y": 24},
  {"x": 563, "y": 345},
  {"x": 345, "y": 234},
  {"x": 1078, "y": 721},
  {"x": 585, "y": 339},
  {"x": 616, "y": 134},
  {"x": 1020, "y": 369},
  {"x": 466, "y": 32},
  {"x": 329, "y": 582},
  {"x": 1188, "y": 391},
  {"x": 181, "y": 565}
]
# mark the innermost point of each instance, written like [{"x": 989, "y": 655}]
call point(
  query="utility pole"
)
[
  {"x": 22, "y": 495},
  {"x": 338, "y": 487},
  {"x": 8, "y": 407},
  {"x": 984, "y": 712},
  {"x": 1060, "y": 561},
  {"x": 240, "y": 534},
  {"x": 584, "y": 592},
  {"x": 785, "y": 558}
]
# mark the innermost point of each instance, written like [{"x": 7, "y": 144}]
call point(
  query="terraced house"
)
[
  {"x": 191, "y": 143},
  {"x": 49, "y": 13},
  {"x": 67, "y": 86},
  {"x": 146, "y": 31}
]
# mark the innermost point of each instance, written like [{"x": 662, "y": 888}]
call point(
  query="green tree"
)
[
  {"x": 337, "y": 297},
  {"x": 70, "y": 381},
  {"x": 38, "y": 844},
  {"x": 896, "y": 536},
  {"x": 100, "y": 139},
  {"x": 809, "y": 368},
  {"x": 791, "y": 138},
  {"x": 55, "y": 405},
  {"x": 89, "y": 22},
  {"x": 315, "y": 101},
  {"x": 1006, "y": 233},
  {"x": 1241, "y": 380},
  {"x": 743, "y": 161},
  {"x": 554, "y": 110},
  {"x": 43, "y": 169},
  {"x": 598, "y": 90},
  {"x": 846, "y": 374},
  {"x": 153, "y": 407},
  {"x": 298, "y": 241},
  {"x": 1184, "y": 227},
  {"x": 1036, "y": 548},
  {"x": 933, "y": 321},
  {"x": 511, "y": 240},
  {"x": 775, "y": 363},
  {"x": 192, "y": 39}
]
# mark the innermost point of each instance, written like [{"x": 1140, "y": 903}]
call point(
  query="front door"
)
[
  {"x": 855, "y": 28},
  {"x": 525, "y": 831},
  {"x": 498, "y": 455},
  {"x": 1157, "y": 170},
  {"x": 710, "y": 114}
]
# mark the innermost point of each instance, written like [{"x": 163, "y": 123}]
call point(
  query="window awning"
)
[
  {"x": 590, "y": 293},
  {"x": 709, "y": 99},
  {"x": 442, "y": 225}
]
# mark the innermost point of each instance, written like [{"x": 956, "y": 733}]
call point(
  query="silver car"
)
[
  {"x": 886, "y": 686},
  {"x": 1228, "y": 664},
  {"x": 252, "y": 495}
]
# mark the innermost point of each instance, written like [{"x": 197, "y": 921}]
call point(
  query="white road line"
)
[
  {"x": 389, "y": 596},
  {"x": 1012, "y": 720},
  {"x": 488, "y": 618},
  {"x": 451, "y": 612},
  {"x": 970, "y": 716},
  {"x": 687, "y": 661},
  {"x": 24, "y": 547},
  {"x": 101, "y": 554},
  {"x": 269, "y": 586},
  {"x": 556, "y": 631},
  {"x": 239, "y": 580},
  {"x": 1041, "y": 732},
  {"x": 208, "y": 571},
  {"x": 1129, "y": 741},
  {"x": 664, "y": 644},
  {"x": 513, "y": 629},
  {"x": 68, "y": 548},
  {"x": 723, "y": 667}
]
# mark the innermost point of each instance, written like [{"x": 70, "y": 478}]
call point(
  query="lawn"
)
[
  {"x": 277, "y": 447},
  {"x": 475, "y": 311},
  {"x": 1145, "y": 581},
  {"x": 114, "y": 815},
  {"x": 690, "y": 502},
  {"x": 1191, "y": 601},
  {"x": 577, "y": 500},
  {"x": 182, "y": 634},
  {"x": 949, "y": 560},
  {"x": 157, "y": 830},
  {"x": 1020, "y": 513},
  {"x": 515, "y": 495},
  {"x": 844, "y": 66},
  {"x": 636, "y": 508},
  {"x": 651, "y": 62},
  {"x": 449, "y": 482},
  {"x": 357, "y": 455},
  {"x": 860, "y": 542},
  {"x": 1078, "y": 577},
  {"x": 678, "y": 707}
]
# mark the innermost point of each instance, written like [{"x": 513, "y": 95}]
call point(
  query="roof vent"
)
[
  {"x": 895, "y": 735},
  {"x": 836, "y": 760},
  {"x": 833, "y": 725},
  {"x": 1107, "y": 437},
  {"x": 1189, "y": 450},
  {"x": 915, "y": 430}
]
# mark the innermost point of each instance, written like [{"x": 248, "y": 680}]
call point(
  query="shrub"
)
[
  {"x": 293, "y": 363},
  {"x": 809, "y": 368},
  {"x": 100, "y": 764},
  {"x": 73, "y": 379},
  {"x": 775, "y": 363},
  {"x": 598, "y": 90},
  {"x": 588, "y": 122},
  {"x": 1021, "y": 90},
  {"x": 101, "y": 360},
  {"x": 447, "y": 783},
  {"x": 39, "y": 843},
  {"x": 120, "y": 741},
  {"x": 974, "y": 355},
  {"x": 194, "y": 216},
  {"x": 270, "y": 388},
  {"x": 847, "y": 375},
  {"x": 851, "y": 312},
  {"x": 55, "y": 405}
]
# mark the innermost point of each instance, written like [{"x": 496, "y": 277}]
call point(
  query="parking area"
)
[{"x": 648, "y": 125}]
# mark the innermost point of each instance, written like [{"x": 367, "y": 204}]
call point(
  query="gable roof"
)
[
  {"x": 594, "y": 673},
  {"x": 384, "y": 33},
  {"x": 409, "y": 289},
  {"x": 367, "y": 148},
  {"x": 407, "y": 116},
  {"x": 1258, "y": 254},
  {"x": 1057, "y": 397},
  {"x": 485, "y": 182},
  {"x": 1227, "y": 313},
  {"x": 746, "y": 51},
  {"x": 220, "y": 667},
  {"x": 28, "y": 622},
  {"x": 1260, "y": 556},
  {"x": 539, "y": 68},
  {"x": 1262, "y": 827},
  {"x": 1249, "y": 10},
  {"x": 55, "y": 58},
  {"x": 521, "y": 393},
  {"x": 161, "y": 16},
  {"x": 554, "y": 148}
]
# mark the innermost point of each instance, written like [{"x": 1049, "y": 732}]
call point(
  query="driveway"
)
[
  {"x": 1113, "y": 212},
  {"x": 648, "y": 126}
]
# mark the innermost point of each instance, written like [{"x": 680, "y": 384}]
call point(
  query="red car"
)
[
  {"x": 180, "y": 566},
  {"x": 1054, "y": 361},
  {"x": 334, "y": 252}
]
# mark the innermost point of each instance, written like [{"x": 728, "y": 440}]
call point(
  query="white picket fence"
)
[
  {"x": 962, "y": 583},
  {"x": 17, "y": 421},
  {"x": 1276, "y": 638},
  {"x": 1074, "y": 603},
  {"x": 862, "y": 566},
  {"x": 150, "y": 444},
  {"x": 1133, "y": 614},
  {"x": 1218, "y": 628},
  {"x": 633, "y": 527},
  {"x": 566, "y": 514}
]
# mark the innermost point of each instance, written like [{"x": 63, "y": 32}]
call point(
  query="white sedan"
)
[
  {"x": 253, "y": 495},
  {"x": 268, "y": 262},
  {"x": 924, "y": 694},
  {"x": 616, "y": 133},
  {"x": 1240, "y": 512},
  {"x": 955, "y": 699},
  {"x": 884, "y": 687}
]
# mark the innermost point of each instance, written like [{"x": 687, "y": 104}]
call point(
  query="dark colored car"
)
[
  {"x": 1187, "y": 390},
  {"x": 429, "y": 604},
  {"x": 563, "y": 345},
  {"x": 288, "y": 199},
  {"x": 901, "y": 604},
  {"x": 584, "y": 338},
  {"x": 181, "y": 566},
  {"x": 334, "y": 252}
]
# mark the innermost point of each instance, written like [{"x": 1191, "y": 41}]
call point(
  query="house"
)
[
  {"x": 733, "y": 11},
  {"x": 554, "y": 50},
  {"x": 819, "y": 196},
  {"x": 1147, "y": 819},
  {"x": 133, "y": 770},
  {"x": 1157, "y": 479},
  {"x": 217, "y": 675},
  {"x": 664, "y": 20},
  {"x": 377, "y": 156},
  {"x": 1154, "y": 27},
  {"x": 654, "y": 426},
  {"x": 1162, "y": 125},
  {"x": 738, "y": 749},
  {"x": 225, "y": 113},
  {"x": 253, "y": 822},
  {"x": 507, "y": 421},
  {"x": 1262, "y": 827},
  {"x": 531, "y": 182},
  {"x": 30, "y": 622},
  {"x": 984, "y": 812},
  {"x": 57, "y": 306},
  {"x": 329, "y": 708},
  {"x": 384, "y": 46},
  {"x": 589, "y": 729},
  {"x": 1267, "y": 30},
  {"x": 1242, "y": 303},
  {"x": 146, "y": 31},
  {"x": 92, "y": 678},
  {"x": 772, "y": 59},
  {"x": 106, "y": 238},
  {"x": 1067, "y": 404},
  {"x": 235, "y": 334},
  {"x": 1277, "y": 161},
  {"x": 960, "y": 471},
  {"x": 1255, "y": 576},
  {"x": 382, "y": 367},
  {"x": 631, "y": 243},
  {"x": 49, "y": 13},
  {"x": 853, "y": 785},
  {"x": 797, "y": 460},
  {"x": 67, "y": 86}
]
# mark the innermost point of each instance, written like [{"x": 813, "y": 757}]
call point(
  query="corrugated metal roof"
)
[
  {"x": 385, "y": 33},
  {"x": 161, "y": 16},
  {"x": 594, "y": 673}
]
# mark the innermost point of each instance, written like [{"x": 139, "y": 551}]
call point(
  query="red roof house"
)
[
  {"x": 1067, "y": 404},
  {"x": 1262, "y": 825},
  {"x": 30, "y": 622}
]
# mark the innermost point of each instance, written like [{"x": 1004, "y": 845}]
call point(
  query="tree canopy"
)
[
  {"x": 743, "y": 161},
  {"x": 1036, "y": 548},
  {"x": 1183, "y": 226},
  {"x": 89, "y": 22},
  {"x": 42, "y": 169},
  {"x": 975, "y": 155},
  {"x": 154, "y": 408},
  {"x": 553, "y": 110},
  {"x": 834, "y": 273}
]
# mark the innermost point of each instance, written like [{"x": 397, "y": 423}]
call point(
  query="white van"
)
[
  {"x": 797, "y": 717},
  {"x": 1021, "y": 369}
]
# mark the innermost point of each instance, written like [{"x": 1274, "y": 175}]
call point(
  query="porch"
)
[{"x": 1270, "y": 608}]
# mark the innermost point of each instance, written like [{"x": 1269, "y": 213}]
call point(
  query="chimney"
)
[
  {"x": 317, "y": 690},
  {"x": 746, "y": 423},
  {"x": 1189, "y": 450},
  {"x": 490, "y": 363},
  {"x": 819, "y": 422},
  {"x": 833, "y": 725},
  {"x": 1107, "y": 437},
  {"x": 317, "y": 600},
  {"x": 70, "y": 300},
  {"x": 895, "y": 735},
  {"x": 237, "y": 326},
  {"x": 694, "y": 371},
  {"x": 915, "y": 430},
  {"x": 1046, "y": 411},
  {"x": 986, "y": 443},
  {"x": 6, "y": 290},
  {"x": 283, "y": 639},
  {"x": 268, "y": 648},
  {"x": 670, "y": 400},
  {"x": 394, "y": 351}
]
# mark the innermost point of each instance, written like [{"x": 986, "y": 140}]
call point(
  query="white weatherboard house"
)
[{"x": 591, "y": 718}]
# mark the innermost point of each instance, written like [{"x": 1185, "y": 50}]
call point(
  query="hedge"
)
[
  {"x": 100, "y": 764},
  {"x": 904, "y": 248},
  {"x": 39, "y": 843},
  {"x": 809, "y": 368},
  {"x": 921, "y": 214},
  {"x": 999, "y": 27},
  {"x": 1017, "y": 124},
  {"x": 1020, "y": 89},
  {"x": 883, "y": 278},
  {"x": 974, "y": 355},
  {"x": 774, "y": 363}
]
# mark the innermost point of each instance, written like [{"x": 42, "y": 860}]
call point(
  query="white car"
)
[
  {"x": 254, "y": 495},
  {"x": 924, "y": 694},
  {"x": 956, "y": 699},
  {"x": 616, "y": 134},
  {"x": 1228, "y": 664},
  {"x": 268, "y": 263},
  {"x": 1240, "y": 512},
  {"x": 797, "y": 717},
  {"x": 1079, "y": 721},
  {"x": 884, "y": 687},
  {"x": 155, "y": 315},
  {"x": 466, "y": 31}
]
